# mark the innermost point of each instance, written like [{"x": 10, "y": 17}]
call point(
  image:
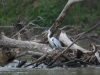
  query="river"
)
[{"x": 54, "y": 71}]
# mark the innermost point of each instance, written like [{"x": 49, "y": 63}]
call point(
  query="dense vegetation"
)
[{"x": 85, "y": 13}]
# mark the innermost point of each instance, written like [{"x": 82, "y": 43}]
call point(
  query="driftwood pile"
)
[
  {"x": 71, "y": 56},
  {"x": 41, "y": 53}
]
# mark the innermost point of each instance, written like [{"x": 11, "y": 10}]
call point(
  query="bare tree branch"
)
[{"x": 61, "y": 17}]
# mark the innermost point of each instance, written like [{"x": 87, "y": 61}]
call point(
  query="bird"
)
[{"x": 53, "y": 41}]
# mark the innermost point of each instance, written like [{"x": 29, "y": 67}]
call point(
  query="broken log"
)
[
  {"x": 7, "y": 56},
  {"x": 64, "y": 39}
]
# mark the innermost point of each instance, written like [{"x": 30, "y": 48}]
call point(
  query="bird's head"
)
[{"x": 46, "y": 31}]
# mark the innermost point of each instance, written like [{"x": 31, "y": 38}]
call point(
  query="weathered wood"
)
[
  {"x": 24, "y": 44},
  {"x": 64, "y": 38}
]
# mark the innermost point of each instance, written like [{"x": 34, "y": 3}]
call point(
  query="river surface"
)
[{"x": 55, "y": 71}]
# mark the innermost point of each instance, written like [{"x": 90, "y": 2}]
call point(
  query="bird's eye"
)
[
  {"x": 52, "y": 39},
  {"x": 46, "y": 29}
]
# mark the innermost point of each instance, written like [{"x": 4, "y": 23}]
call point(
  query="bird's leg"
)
[{"x": 55, "y": 51}]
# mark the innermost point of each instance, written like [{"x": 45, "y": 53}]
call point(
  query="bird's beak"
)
[{"x": 43, "y": 33}]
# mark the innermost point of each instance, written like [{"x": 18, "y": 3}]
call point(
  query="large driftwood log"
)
[
  {"x": 64, "y": 38},
  {"x": 61, "y": 17},
  {"x": 23, "y": 44}
]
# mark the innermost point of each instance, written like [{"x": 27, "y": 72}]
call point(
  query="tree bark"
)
[{"x": 61, "y": 17}]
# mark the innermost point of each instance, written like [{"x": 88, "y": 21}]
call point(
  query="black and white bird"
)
[{"x": 53, "y": 41}]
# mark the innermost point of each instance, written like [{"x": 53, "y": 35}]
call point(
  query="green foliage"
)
[
  {"x": 80, "y": 14},
  {"x": 49, "y": 10}
]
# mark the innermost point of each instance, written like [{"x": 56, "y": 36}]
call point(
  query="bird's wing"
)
[{"x": 56, "y": 42}]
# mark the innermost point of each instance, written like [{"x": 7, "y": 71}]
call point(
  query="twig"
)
[
  {"x": 94, "y": 39},
  {"x": 42, "y": 57},
  {"x": 27, "y": 25},
  {"x": 95, "y": 26},
  {"x": 21, "y": 29},
  {"x": 76, "y": 60}
]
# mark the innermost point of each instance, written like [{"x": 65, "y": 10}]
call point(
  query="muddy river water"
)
[{"x": 56, "y": 71}]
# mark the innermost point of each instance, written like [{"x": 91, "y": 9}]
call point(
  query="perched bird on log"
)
[{"x": 53, "y": 41}]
